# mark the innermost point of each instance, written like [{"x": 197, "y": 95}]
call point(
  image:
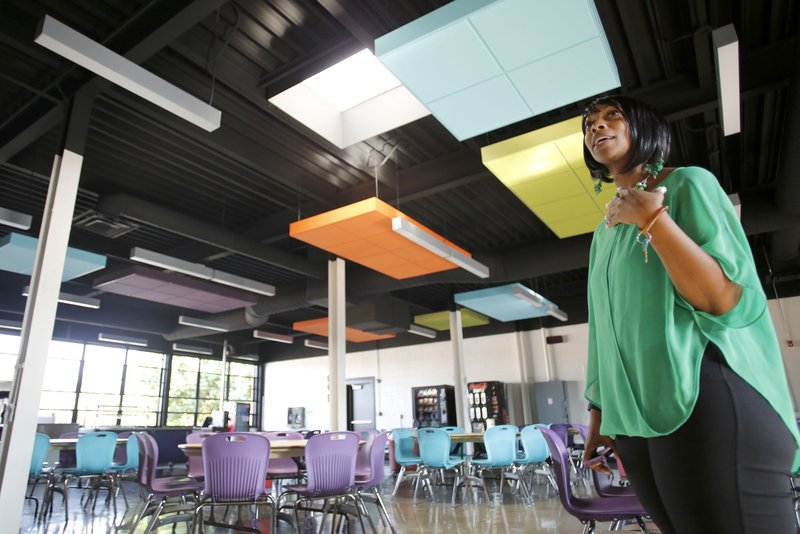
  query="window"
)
[
  {"x": 9, "y": 349},
  {"x": 141, "y": 398},
  {"x": 61, "y": 381},
  {"x": 242, "y": 386}
]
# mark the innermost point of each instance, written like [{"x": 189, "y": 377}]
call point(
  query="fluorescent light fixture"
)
[
  {"x": 193, "y": 349},
  {"x": 93, "y": 56},
  {"x": 316, "y": 344},
  {"x": 123, "y": 340},
  {"x": 271, "y": 336},
  {"x": 527, "y": 294},
  {"x": 351, "y": 101},
  {"x": 422, "y": 331},
  {"x": 10, "y": 325},
  {"x": 414, "y": 233},
  {"x": 15, "y": 219},
  {"x": 726, "y": 45},
  {"x": 556, "y": 312},
  {"x": 198, "y": 270},
  {"x": 186, "y": 320},
  {"x": 69, "y": 298}
]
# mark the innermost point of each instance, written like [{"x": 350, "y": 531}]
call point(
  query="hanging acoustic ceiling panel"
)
[
  {"x": 481, "y": 65},
  {"x": 173, "y": 289},
  {"x": 545, "y": 169},
  {"x": 17, "y": 254},
  {"x": 320, "y": 328},
  {"x": 363, "y": 233},
  {"x": 441, "y": 320},
  {"x": 510, "y": 302}
]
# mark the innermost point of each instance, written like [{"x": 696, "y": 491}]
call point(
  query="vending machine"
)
[
  {"x": 434, "y": 406},
  {"x": 487, "y": 405}
]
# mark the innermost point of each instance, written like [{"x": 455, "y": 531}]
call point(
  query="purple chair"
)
[
  {"x": 363, "y": 459},
  {"x": 330, "y": 472},
  {"x": 603, "y": 485},
  {"x": 371, "y": 478},
  {"x": 196, "y": 462},
  {"x": 235, "y": 466},
  {"x": 160, "y": 490},
  {"x": 282, "y": 468},
  {"x": 588, "y": 511}
]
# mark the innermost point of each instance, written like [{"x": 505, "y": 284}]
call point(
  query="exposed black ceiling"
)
[{"x": 226, "y": 198}]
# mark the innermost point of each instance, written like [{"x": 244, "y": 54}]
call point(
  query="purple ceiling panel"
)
[{"x": 147, "y": 283}]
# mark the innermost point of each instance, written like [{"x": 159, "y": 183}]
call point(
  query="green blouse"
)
[{"x": 646, "y": 341}]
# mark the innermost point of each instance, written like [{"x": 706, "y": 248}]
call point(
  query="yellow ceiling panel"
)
[
  {"x": 576, "y": 225},
  {"x": 441, "y": 320},
  {"x": 545, "y": 169}
]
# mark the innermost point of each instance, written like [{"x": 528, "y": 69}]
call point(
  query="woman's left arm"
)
[{"x": 696, "y": 275}]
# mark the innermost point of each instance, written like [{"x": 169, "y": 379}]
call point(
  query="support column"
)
[
  {"x": 337, "y": 349},
  {"x": 457, "y": 342},
  {"x": 37, "y": 330},
  {"x": 524, "y": 351}
]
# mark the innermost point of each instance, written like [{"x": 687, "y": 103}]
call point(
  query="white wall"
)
[{"x": 498, "y": 357}]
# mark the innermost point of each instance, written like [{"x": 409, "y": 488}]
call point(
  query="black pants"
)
[{"x": 725, "y": 470}]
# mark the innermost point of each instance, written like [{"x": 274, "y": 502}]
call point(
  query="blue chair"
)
[
  {"x": 41, "y": 445},
  {"x": 94, "y": 455},
  {"x": 535, "y": 455},
  {"x": 501, "y": 451},
  {"x": 404, "y": 454},
  {"x": 130, "y": 465},
  {"x": 454, "y": 446},
  {"x": 434, "y": 449}
]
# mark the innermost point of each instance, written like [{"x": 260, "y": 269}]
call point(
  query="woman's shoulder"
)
[{"x": 691, "y": 178}]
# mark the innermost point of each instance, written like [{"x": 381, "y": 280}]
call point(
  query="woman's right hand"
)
[{"x": 595, "y": 440}]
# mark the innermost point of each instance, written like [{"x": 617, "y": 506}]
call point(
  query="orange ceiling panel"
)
[
  {"x": 320, "y": 328},
  {"x": 362, "y": 233}
]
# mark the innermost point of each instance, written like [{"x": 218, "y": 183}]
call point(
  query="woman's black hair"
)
[{"x": 648, "y": 130}]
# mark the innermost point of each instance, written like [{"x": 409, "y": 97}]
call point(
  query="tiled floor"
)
[{"x": 511, "y": 515}]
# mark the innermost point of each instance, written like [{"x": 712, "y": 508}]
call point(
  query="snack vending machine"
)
[
  {"x": 487, "y": 405},
  {"x": 434, "y": 406}
]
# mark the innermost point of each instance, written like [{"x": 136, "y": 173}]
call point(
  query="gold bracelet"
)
[{"x": 644, "y": 237}]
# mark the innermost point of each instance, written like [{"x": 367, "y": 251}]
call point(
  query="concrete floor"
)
[{"x": 507, "y": 515}]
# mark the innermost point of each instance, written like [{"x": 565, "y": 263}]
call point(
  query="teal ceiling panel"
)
[
  {"x": 505, "y": 303},
  {"x": 464, "y": 60},
  {"x": 17, "y": 253}
]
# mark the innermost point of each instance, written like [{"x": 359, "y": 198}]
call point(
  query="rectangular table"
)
[{"x": 285, "y": 448}]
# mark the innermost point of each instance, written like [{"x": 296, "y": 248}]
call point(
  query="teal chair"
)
[
  {"x": 455, "y": 449},
  {"x": 535, "y": 455},
  {"x": 129, "y": 466},
  {"x": 434, "y": 451},
  {"x": 404, "y": 454},
  {"x": 94, "y": 455},
  {"x": 501, "y": 451},
  {"x": 41, "y": 445}
]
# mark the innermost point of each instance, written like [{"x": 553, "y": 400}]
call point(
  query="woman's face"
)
[{"x": 607, "y": 136}]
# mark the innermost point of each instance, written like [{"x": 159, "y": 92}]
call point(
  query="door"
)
[{"x": 360, "y": 403}]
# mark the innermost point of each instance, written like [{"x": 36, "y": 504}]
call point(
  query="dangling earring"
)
[{"x": 598, "y": 187}]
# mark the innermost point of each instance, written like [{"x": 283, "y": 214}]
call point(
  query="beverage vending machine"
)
[
  {"x": 487, "y": 405},
  {"x": 434, "y": 406}
]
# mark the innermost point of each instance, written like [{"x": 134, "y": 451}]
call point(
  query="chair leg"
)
[
  {"x": 382, "y": 508},
  {"x": 399, "y": 479}
]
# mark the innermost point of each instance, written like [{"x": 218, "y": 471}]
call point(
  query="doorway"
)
[{"x": 360, "y": 403}]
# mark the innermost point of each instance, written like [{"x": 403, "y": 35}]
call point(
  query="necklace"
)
[{"x": 651, "y": 171}]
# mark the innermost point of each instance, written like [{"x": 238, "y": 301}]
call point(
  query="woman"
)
[{"x": 685, "y": 378}]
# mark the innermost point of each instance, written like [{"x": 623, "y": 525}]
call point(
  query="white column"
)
[
  {"x": 524, "y": 352},
  {"x": 457, "y": 342},
  {"x": 37, "y": 330},
  {"x": 337, "y": 349}
]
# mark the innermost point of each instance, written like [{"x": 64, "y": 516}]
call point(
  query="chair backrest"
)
[
  {"x": 195, "y": 463},
  {"x": 534, "y": 444},
  {"x": 561, "y": 467},
  {"x": 235, "y": 466},
  {"x": 501, "y": 445},
  {"x": 331, "y": 462},
  {"x": 453, "y": 430},
  {"x": 148, "y": 459},
  {"x": 41, "y": 445},
  {"x": 363, "y": 459},
  {"x": 121, "y": 453},
  {"x": 95, "y": 452},
  {"x": 562, "y": 431},
  {"x": 434, "y": 446},
  {"x": 282, "y": 466},
  {"x": 131, "y": 454},
  {"x": 403, "y": 444},
  {"x": 377, "y": 454}
]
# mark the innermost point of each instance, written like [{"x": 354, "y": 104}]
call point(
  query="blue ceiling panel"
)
[
  {"x": 17, "y": 253},
  {"x": 503, "y": 304}
]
